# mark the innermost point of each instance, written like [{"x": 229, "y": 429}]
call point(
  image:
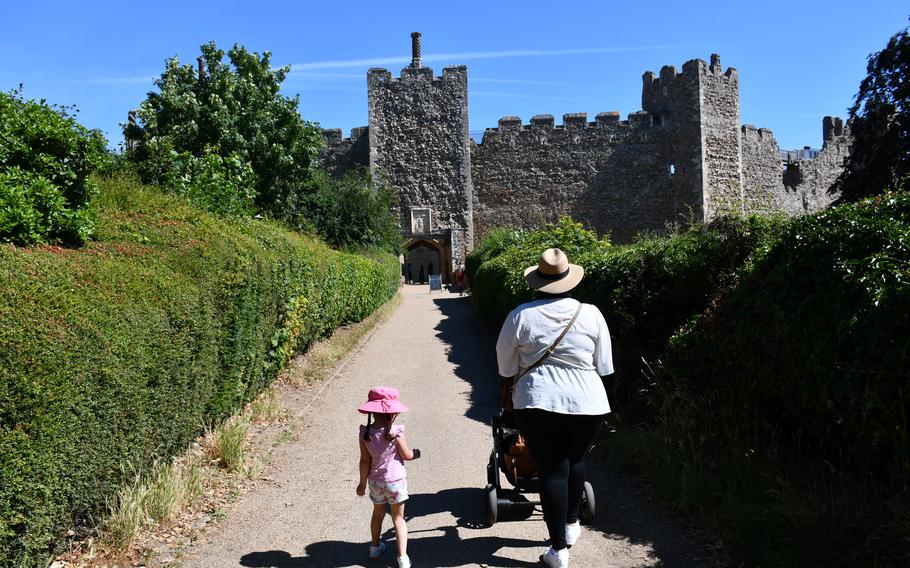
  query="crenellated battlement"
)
[
  {"x": 670, "y": 83},
  {"x": 833, "y": 128},
  {"x": 751, "y": 132},
  {"x": 335, "y": 136},
  {"x": 450, "y": 74},
  {"x": 575, "y": 121}
]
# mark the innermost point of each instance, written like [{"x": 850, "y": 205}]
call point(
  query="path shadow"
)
[
  {"x": 467, "y": 505},
  {"x": 439, "y": 547},
  {"x": 471, "y": 347},
  {"x": 626, "y": 508}
]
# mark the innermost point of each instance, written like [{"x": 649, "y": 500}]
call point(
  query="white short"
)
[{"x": 391, "y": 492}]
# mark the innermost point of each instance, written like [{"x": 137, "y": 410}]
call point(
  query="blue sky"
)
[{"x": 798, "y": 60}]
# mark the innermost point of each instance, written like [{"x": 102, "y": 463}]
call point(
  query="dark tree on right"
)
[{"x": 880, "y": 125}]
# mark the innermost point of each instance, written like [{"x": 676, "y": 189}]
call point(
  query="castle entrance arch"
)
[{"x": 428, "y": 254}]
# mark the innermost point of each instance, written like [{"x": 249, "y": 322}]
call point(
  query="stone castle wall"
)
[
  {"x": 341, "y": 155},
  {"x": 685, "y": 156},
  {"x": 721, "y": 148},
  {"x": 610, "y": 174},
  {"x": 802, "y": 187}
]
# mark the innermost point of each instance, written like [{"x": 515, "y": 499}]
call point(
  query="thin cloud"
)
[
  {"x": 468, "y": 55},
  {"x": 519, "y": 96},
  {"x": 113, "y": 81},
  {"x": 519, "y": 82},
  {"x": 308, "y": 74}
]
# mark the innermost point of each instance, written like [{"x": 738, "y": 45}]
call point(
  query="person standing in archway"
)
[
  {"x": 410, "y": 274},
  {"x": 559, "y": 348},
  {"x": 422, "y": 274}
]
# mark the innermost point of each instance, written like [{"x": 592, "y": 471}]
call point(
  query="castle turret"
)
[
  {"x": 419, "y": 143},
  {"x": 700, "y": 106}
]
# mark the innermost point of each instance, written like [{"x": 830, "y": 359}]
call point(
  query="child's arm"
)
[
  {"x": 404, "y": 451},
  {"x": 365, "y": 462}
]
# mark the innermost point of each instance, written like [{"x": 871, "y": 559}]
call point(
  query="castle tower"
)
[
  {"x": 419, "y": 143},
  {"x": 700, "y": 110}
]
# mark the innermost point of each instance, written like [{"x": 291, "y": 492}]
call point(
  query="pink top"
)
[{"x": 387, "y": 464}]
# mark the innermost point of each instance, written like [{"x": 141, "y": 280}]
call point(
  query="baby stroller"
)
[{"x": 511, "y": 457}]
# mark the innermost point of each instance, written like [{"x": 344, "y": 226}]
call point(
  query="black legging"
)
[{"x": 558, "y": 443}]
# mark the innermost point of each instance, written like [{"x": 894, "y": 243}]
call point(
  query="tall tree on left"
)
[{"x": 234, "y": 111}]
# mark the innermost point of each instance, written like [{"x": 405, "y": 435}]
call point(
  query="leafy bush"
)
[
  {"x": 236, "y": 112},
  {"x": 123, "y": 350},
  {"x": 46, "y": 158},
  {"x": 353, "y": 212},
  {"x": 814, "y": 343},
  {"x": 498, "y": 284},
  {"x": 220, "y": 185}
]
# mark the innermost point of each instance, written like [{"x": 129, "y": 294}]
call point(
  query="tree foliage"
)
[
  {"x": 225, "y": 137},
  {"x": 235, "y": 111},
  {"x": 354, "y": 211},
  {"x": 880, "y": 125},
  {"x": 46, "y": 158}
]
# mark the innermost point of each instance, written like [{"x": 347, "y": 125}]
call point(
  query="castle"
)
[{"x": 684, "y": 156}]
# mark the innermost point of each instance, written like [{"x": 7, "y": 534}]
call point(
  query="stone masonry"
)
[{"x": 684, "y": 157}]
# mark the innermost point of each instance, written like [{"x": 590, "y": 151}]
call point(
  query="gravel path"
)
[{"x": 439, "y": 354}]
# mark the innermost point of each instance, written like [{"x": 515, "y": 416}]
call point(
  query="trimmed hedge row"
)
[
  {"x": 645, "y": 290},
  {"x": 121, "y": 351},
  {"x": 816, "y": 343}
]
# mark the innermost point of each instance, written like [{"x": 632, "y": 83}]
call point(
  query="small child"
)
[{"x": 383, "y": 451}]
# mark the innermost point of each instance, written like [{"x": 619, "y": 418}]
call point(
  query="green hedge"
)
[
  {"x": 783, "y": 415},
  {"x": 816, "y": 342},
  {"x": 121, "y": 351},
  {"x": 645, "y": 290}
]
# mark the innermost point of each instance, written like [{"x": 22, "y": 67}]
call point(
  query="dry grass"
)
[
  {"x": 267, "y": 407},
  {"x": 228, "y": 445},
  {"x": 125, "y": 516}
]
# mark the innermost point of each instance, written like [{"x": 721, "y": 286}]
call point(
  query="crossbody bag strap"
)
[{"x": 551, "y": 348}]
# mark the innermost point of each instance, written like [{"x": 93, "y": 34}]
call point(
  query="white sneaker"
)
[
  {"x": 404, "y": 561},
  {"x": 376, "y": 551},
  {"x": 573, "y": 531},
  {"x": 555, "y": 558}
]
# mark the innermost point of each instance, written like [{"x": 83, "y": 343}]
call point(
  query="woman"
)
[{"x": 559, "y": 399}]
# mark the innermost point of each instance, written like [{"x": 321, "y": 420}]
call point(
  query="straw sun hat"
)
[{"x": 553, "y": 274}]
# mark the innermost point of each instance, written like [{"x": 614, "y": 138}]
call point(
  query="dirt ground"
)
[{"x": 439, "y": 354}]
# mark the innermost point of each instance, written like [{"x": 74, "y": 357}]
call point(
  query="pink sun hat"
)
[{"x": 383, "y": 400}]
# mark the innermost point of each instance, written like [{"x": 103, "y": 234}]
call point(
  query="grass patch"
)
[
  {"x": 267, "y": 406},
  {"x": 228, "y": 445}
]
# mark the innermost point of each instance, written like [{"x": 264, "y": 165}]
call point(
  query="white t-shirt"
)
[{"x": 568, "y": 382}]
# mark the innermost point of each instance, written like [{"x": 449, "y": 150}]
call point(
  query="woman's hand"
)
[{"x": 361, "y": 489}]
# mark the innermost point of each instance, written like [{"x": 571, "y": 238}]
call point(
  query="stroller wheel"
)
[
  {"x": 586, "y": 515},
  {"x": 492, "y": 505}
]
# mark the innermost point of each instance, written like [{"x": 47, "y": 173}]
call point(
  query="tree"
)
[
  {"x": 880, "y": 125},
  {"x": 236, "y": 112},
  {"x": 46, "y": 162},
  {"x": 354, "y": 211}
]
